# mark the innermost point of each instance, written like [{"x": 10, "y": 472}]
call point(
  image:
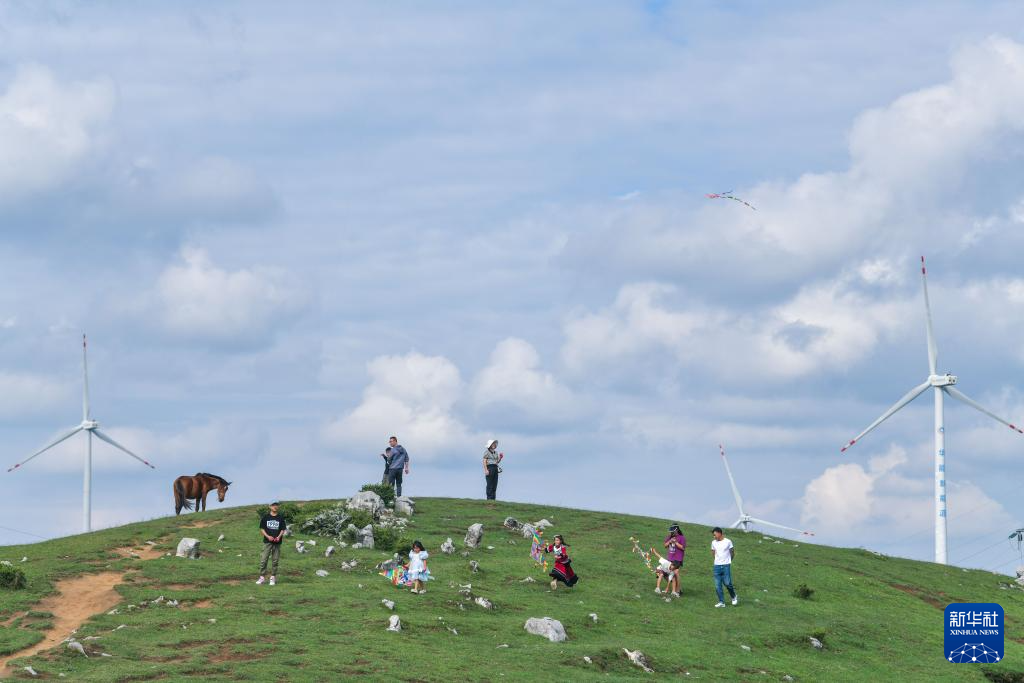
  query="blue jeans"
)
[{"x": 723, "y": 576}]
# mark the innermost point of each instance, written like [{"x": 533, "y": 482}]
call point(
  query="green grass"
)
[{"x": 879, "y": 618}]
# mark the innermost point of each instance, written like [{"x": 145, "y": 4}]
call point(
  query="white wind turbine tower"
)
[
  {"x": 942, "y": 384},
  {"x": 90, "y": 427},
  {"x": 746, "y": 520}
]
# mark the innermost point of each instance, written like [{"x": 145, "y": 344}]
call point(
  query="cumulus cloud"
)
[
  {"x": 513, "y": 388},
  {"x": 48, "y": 128},
  {"x": 199, "y": 301},
  {"x": 412, "y": 396},
  {"x": 23, "y": 394}
]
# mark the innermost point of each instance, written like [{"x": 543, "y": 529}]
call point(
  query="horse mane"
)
[{"x": 222, "y": 480}]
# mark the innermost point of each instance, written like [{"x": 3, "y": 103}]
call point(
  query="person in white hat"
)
[{"x": 491, "y": 459}]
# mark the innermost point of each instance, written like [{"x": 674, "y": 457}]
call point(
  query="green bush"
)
[
  {"x": 803, "y": 591},
  {"x": 385, "y": 491},
  {"x": 360, "y": 518},
  {"x": 385, "y": 537},
  {"x": 12, "y": 578},
  {"x": 290, "y": 512},
  {"x": 403, "y": 545}
]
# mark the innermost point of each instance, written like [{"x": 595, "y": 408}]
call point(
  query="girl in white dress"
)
[{"x": 418, "y": 572}]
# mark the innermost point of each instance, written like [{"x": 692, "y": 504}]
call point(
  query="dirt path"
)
[{"x": 77, "y": 600}]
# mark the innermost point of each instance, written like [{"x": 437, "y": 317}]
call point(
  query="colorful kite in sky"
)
[{"x": 728, "y": 195}]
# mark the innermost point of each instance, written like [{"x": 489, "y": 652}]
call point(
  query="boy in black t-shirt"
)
[{"x": 272, "y": 527}]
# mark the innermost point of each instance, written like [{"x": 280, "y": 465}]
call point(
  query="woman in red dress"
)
[{"x": 563, "y": 564}]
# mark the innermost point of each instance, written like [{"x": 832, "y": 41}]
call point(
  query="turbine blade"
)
[
  {"x": 47, "y": 447},
  {"x": 959, "y": 395},
  {"x": 780, "y": 526},
  {"x": 933, "y": 349},
  {"x": 737, "y": 523},
  {"x": 732, "y": 482},
  {"x": 85, "y": 383},
  {"x": 907, "y": 398},
  {"x": 115, "y": 444}
]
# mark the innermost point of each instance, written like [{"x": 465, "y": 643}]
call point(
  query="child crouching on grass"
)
[
  {"x": 664, "y": 571},
  {"x": 418, "y": 572}
]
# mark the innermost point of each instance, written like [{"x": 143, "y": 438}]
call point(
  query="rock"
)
[
  {"x": 6, "y": 563},
  {"x": 464, "y": 553},
  {"x": 547, "y": 627},
  {"x": 172, "y": 603},
  {"x": 501, "y": 646},
  {"x": 77, "y": 647},
  {"x": 367, "y": 500},
  {"x": 31, "y": 671},
  {"x": 593, "y": 617},
  {"x": 788, "y": 678},
  {"x": 404, "y": 505},
  {"x": 24, "y": 559},
  {"x": 484, "y": 602},
  {"x": 389, "y": 604},
  {"x": 528, "y": 530},
  {"x": 220, "y": 538},
  {"x": 640, "y": 659},
  {"x": 448, "y": 547},
  {"x": 322, "y": 573},
  {"x": 529, "y": 579},
  {"x": 120, "y": 627},
  {"x": 365, "y": 535},
  {"x": 394, "y": 623},
  {"x": 745, "y": 647},
  {"x": 512, "y": 524},
  {"x": 474, "y": 566},
  {"x": 157, "y": 601},
  {"x": 329, "y": 551},
  {"x": 588, "y": 660},
  {"x": 342, "y": 544},
  {"x": 816, "y": 643},
  {"x": 542, "y": 524},
  {"x": 490, "y": 547},
  {"x": 212, "y": 621},
  {"x": 474, "y": 535},
  {"x": 188, "y": 547},
  {"x": 357, "y": 546}
]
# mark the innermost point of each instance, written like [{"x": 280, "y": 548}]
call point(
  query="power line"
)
[
  {"x": 983, "y": 550},
  {"x": 19, "y": 531}
]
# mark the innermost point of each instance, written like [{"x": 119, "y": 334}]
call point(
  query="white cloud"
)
[
  {"x": 23, "y": 394},
  {"x": 513, "y": 380},
  {"x": 198, "y": 300},
  {"x": 412, "y": 397},
  {"x": 47, "y": 128}
]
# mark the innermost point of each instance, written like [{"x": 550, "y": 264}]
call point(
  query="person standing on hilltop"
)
[
  {"x": 491, "y": 470},
  {"x": 399, "y": 463},
  {"x": 723, "y": 552},
  {"x": 676, "y": 544},
  {"x": 386, "y": 455},
  {"x": 272, "y": 528}
]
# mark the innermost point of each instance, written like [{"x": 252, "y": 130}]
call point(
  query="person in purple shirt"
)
[{"x": 676, "y": 544}]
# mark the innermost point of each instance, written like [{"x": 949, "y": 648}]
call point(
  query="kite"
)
[
  {"x": 398, "y": 575},
  {"x": 537, "y": 549},
  {"x": 644, "y": 555},
  {"x": 728, "y": 195}
]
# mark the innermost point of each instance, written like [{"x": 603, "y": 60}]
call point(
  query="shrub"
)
[
  {"x": 311, "y": 510},
  {"x": 360, "y": 518},
  {"x": 290, "y": 512},
  {"x": 331, "y": 522},
  {"x": 403, "y": 545},
  {"x": 385, "y": 491},
  {"x": 803, "y": 591},
  {"x": 385, "y": 537},
  {"x": 12, "y": 578}
]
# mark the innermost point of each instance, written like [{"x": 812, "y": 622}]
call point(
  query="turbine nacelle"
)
[
  {"x": 89, "y": 425},
  {"x": 946, "y": 380}
]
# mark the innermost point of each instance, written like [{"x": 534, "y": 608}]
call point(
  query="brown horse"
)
[{"x": 195, "y": 488}]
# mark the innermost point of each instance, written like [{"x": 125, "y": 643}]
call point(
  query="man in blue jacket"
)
[{"x": 399, "y": 464}]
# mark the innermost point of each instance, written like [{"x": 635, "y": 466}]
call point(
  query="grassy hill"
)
[{"x": 879, "y": 618}]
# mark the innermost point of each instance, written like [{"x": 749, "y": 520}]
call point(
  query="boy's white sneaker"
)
[
  {"x": 657, "y": 590},
  {"x": 259, "y": 581},
  {"x": 721, "y": 604},
  {"x": 736, "y": 600},
  {"x": 675, "y": 594},
  {"x": 273, "y": 580}
]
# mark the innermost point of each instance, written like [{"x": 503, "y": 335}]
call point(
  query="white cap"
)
[{"x": 491, "y": 443}]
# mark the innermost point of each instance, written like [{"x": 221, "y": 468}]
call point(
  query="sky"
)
[{"x": 292, "y": 230}]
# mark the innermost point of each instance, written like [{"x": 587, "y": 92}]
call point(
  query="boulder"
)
[
  {"x": 815, "y": 643},
  {"x": 394, "y": 623},
  {"x": 528, "y": 530},
  {"x": 77, "y": 647},
  {"x": 322, "y": 573},
  {"x": 547, "y": 627},
  {"x": 404, "y": 505},
  {"x": 640, "y": 659},
  {"x": 365, "y": 535},
  {"x": 593, "y": 617},
  {"x": 220, "y": 538},
  {"x": 542, "y": 524},
  {"x": 474, "y": 535},
  {"x": 367, "y": 500},
  {"x": 474, "y": 566},
  {"x": 329, "y": 551},
  {"x": 484, "y": 602},
  {"x": 188, "y": 547},
  {"x": 448, "y": 547},
  {"x": 389, "y": 604},
  {"x": 1020, "y": 576},
  {"x": 300, "y": 547},
  {"x": 512, "y": 524}
]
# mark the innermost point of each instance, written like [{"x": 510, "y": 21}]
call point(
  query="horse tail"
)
[{"x": 180, "y": 501}]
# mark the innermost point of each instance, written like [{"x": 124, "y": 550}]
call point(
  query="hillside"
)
[{"x": 879, "y": 618}]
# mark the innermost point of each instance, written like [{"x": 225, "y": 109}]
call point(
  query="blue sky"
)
[{"x": 291, "y": 231}]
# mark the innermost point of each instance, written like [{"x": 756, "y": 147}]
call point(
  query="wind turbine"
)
[
  {"x": 90, "y": 427},
  {"x": 943, "y": 385},
  {"x": 746, "y": 520}
]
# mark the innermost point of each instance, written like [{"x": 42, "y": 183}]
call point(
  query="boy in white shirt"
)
[
  {"x": 664, "y": 571},
  {"x": 723, "y": 552}
]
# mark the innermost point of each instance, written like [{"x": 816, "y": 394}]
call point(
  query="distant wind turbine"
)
[
  {"x": 746, "y": 520},
  {"x": 91, "y": 427},
  {"x": 942, "y": 384}
]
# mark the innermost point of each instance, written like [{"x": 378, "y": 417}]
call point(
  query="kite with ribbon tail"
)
[
  {"x": 728, "y": 195},
  {"x": 537, "y": 549},
  {"x": 644, "y": 554}
]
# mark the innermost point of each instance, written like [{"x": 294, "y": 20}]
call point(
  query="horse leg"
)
[{"x": 205, "y": 493}]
